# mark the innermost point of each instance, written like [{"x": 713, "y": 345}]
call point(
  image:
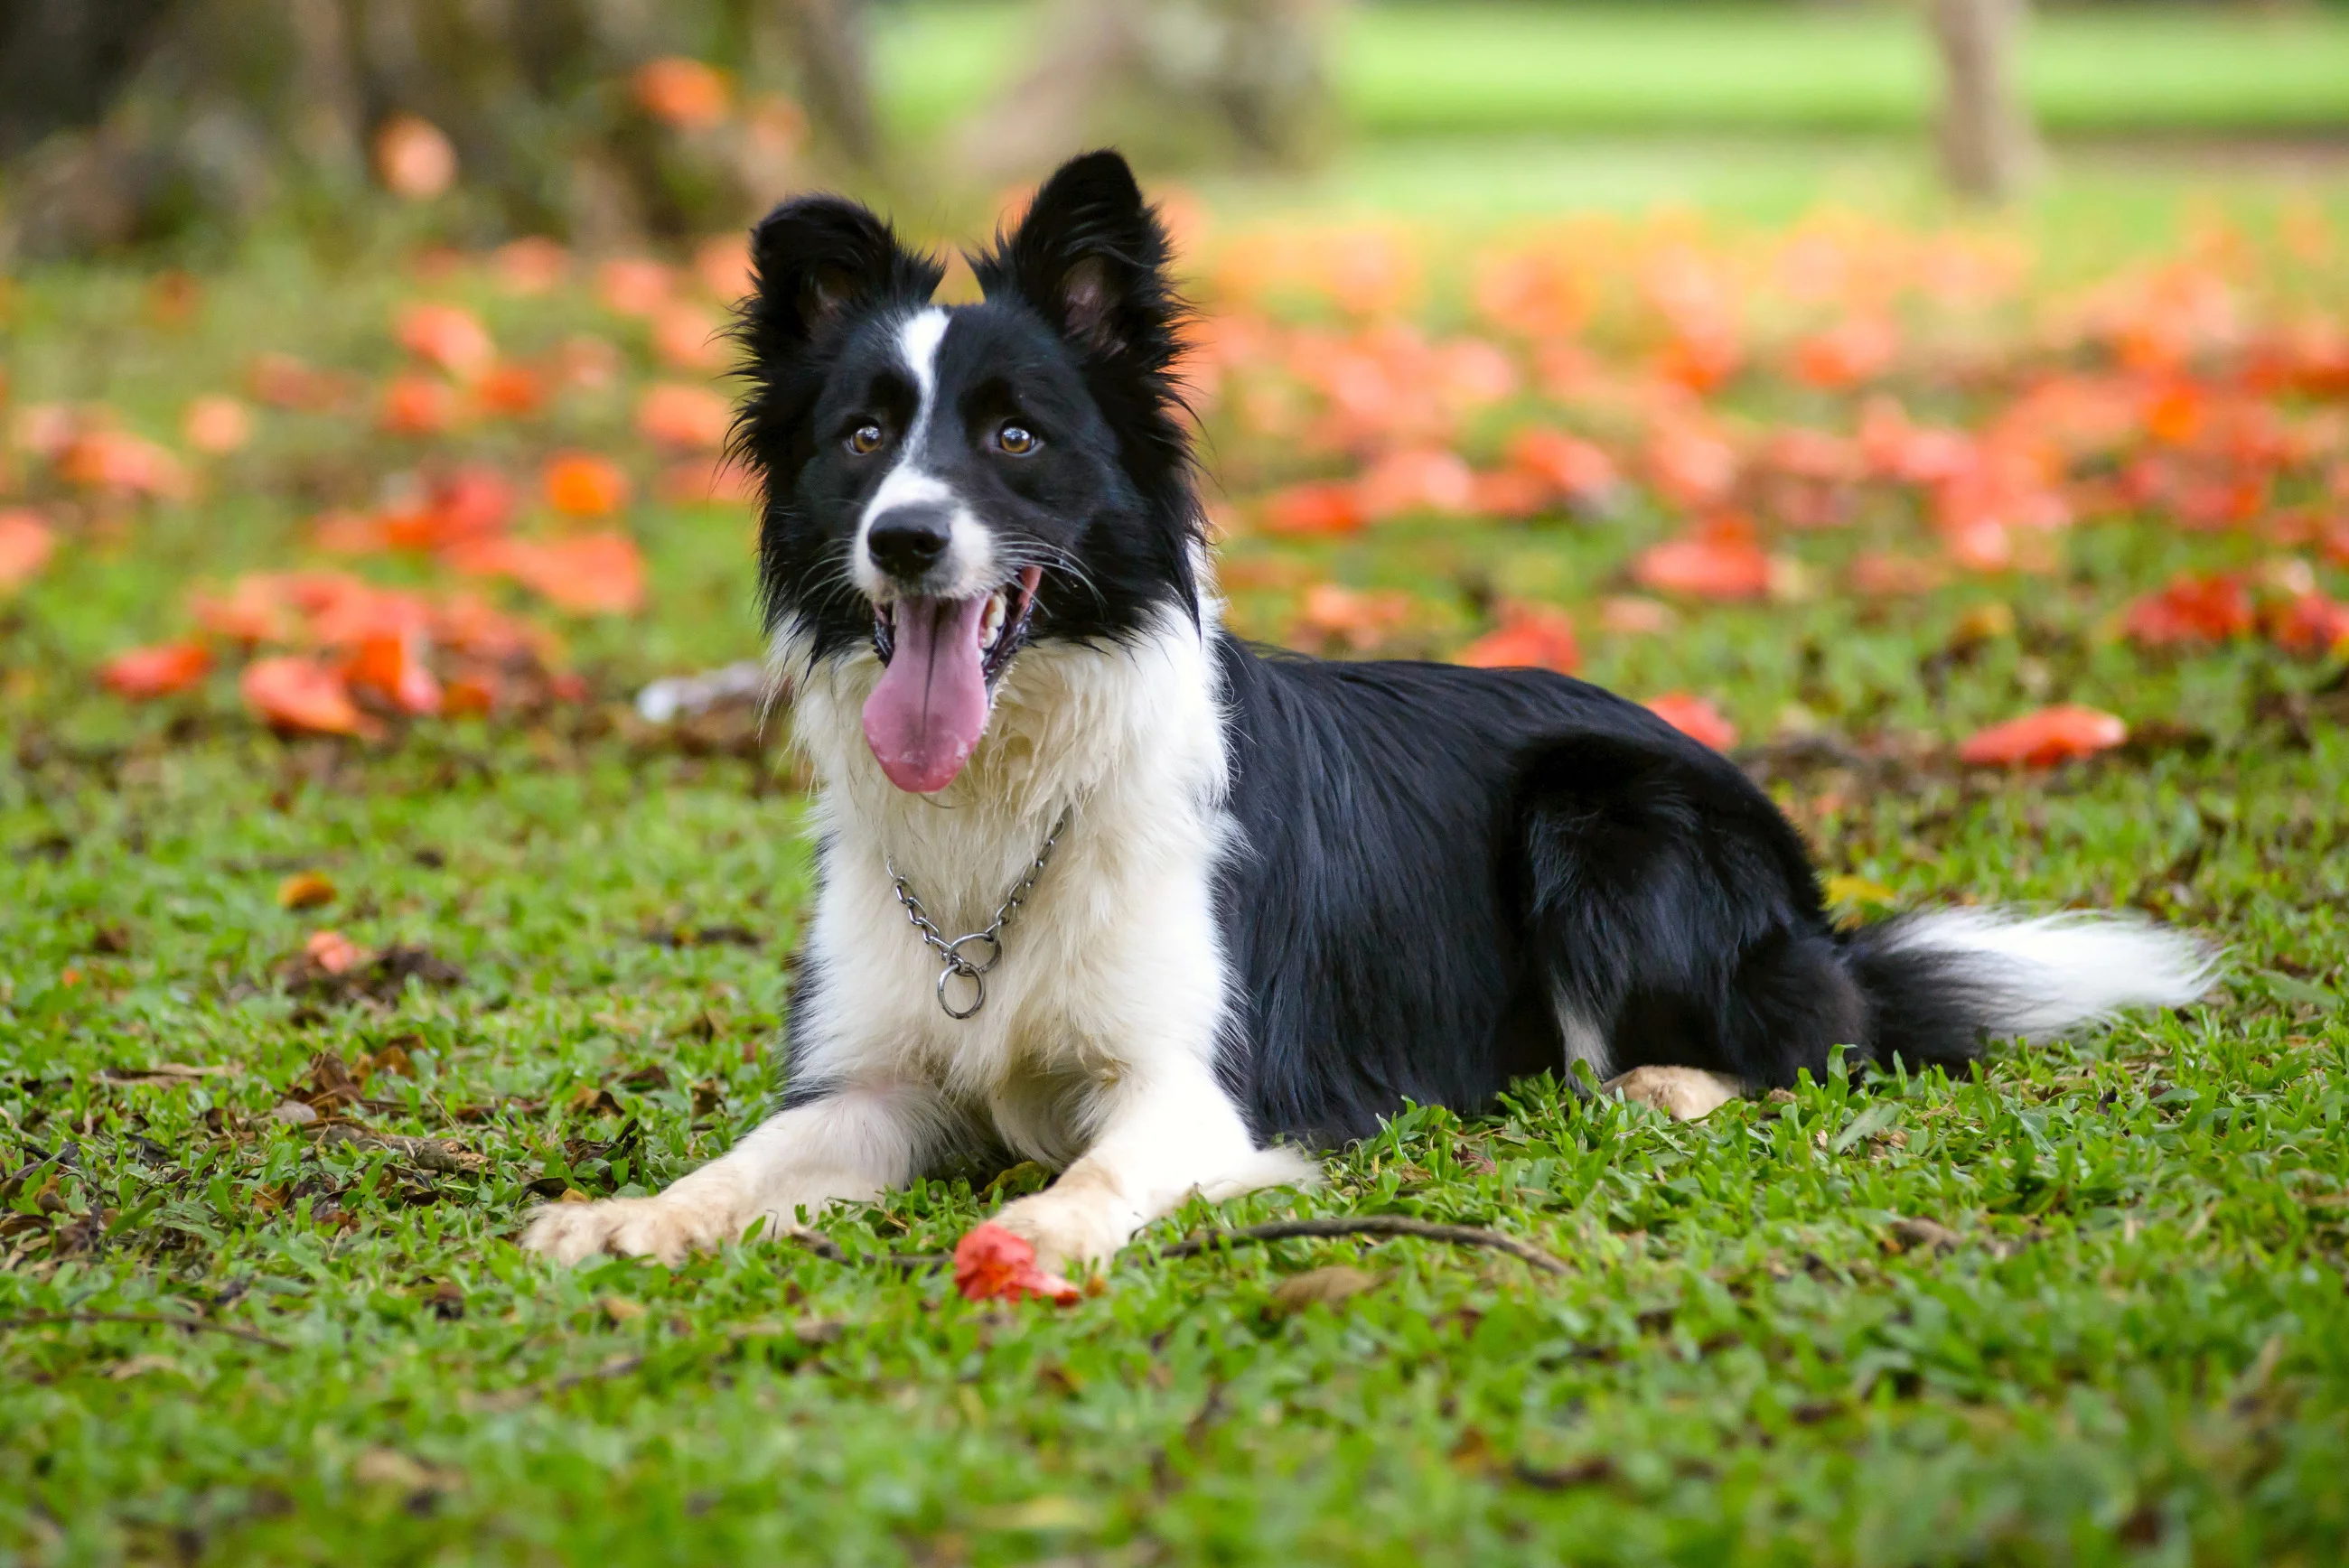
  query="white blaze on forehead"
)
[{"x": 969, "y": 564}]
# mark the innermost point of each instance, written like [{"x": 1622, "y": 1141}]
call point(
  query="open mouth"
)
[{"x": 941, "y": 658}]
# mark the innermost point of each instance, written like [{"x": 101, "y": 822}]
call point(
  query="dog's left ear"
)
[{"x": 1091, "y": 256}]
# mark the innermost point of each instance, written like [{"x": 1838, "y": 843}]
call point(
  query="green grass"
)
[
  {"x": 2137, "y": 1352},
  {"x": 1416, "y": 69}
]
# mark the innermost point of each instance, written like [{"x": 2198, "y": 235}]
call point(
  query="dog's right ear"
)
[{"x": 815, "y": 258}]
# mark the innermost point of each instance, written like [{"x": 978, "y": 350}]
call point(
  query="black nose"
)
[{"x": 906, "y": 540}]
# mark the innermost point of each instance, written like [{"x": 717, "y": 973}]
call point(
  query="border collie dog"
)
[{"x": 1221, "y": 906}]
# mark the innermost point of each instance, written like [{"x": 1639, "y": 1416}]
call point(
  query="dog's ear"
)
[
  {"x": 1091, "y": 256},
  {"x": 815, "y": 258}
]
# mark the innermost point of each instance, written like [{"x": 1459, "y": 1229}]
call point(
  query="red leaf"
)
[
  {"x": 580, "y": 484},
  {"x": 2311, "y": 626},
  {"x": 694, "y": 418},
  {"x": 1323, "y": 507},
  {"x": 448, "y": 336},
  {"x": 26, "y": 542},
  {"x": 1695, "y": 717},
  {"x": 301, "y": 694},
  {"x": 1719, "y": 560},
  {"x": 159, "y": 671},
  {"x": 413, "y": 159},
  {"x": 391, "y": 664},
  {"x": 216, "y": 423},
  {"x": 2043, "y": 739},
  {"x": 682, "y": 92},
  {"x": 993, "y": 1265},
  {"x": 1577, "y": 469},
  {"x": 1530, "y": 637},
  {"x": 2191, "y": 610}
]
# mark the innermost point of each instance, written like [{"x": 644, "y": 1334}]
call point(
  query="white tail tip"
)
[{"x": 2044, "y": 974}]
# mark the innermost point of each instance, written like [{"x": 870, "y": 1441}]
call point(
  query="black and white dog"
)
[{"x": 1278, "y": 897}]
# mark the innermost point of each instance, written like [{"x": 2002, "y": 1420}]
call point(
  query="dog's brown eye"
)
[
  {"x": 1017, "y": 440},
  {"x": 865, "y": 439}
]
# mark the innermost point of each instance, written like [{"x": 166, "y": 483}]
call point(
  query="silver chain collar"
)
[{"x": 953, "y": 965}]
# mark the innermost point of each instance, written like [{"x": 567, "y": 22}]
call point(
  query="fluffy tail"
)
[{"x": 1937, "y": 983}]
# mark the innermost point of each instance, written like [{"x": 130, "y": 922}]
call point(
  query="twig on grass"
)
[
  {"x": 1370, "y": 1225},
  {"x": 824, "y": 1247},
  {"x": 192, "y": 1325}
]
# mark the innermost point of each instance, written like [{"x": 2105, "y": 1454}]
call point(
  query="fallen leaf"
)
[
  {"x": 692, "y": 419},
  {"x": 416, "y": 405},
  {"x": 331, "y": 952},
  {"x": 414, "y": 159},
  {"x": 993, "y": 1265},
  {"x": 447, "y": 336},
  {"x": 619, "y": 1309},
  {"x": 1318, "y": 510},
  {"x": 1720, "y": 562},
  {"x": 1694, "y": 717},
  {"x": 26, "y": 542},
  {"x": 681, "y": 93},
  {"x": 1530, "y": 637},
  {"x": 582, "y": 484},
  {"x": 633, "y": 285},
  {"x": 300, "y": 694},
  {"x": 305, "y": 890},
  {"x": 534, "y": 264},
  {"x": 2044, "y": 737},
  {"x": 2191, "y": 609},
  {"x": 216, "y": 423},
  {"x": 1914, "y": 1235}
]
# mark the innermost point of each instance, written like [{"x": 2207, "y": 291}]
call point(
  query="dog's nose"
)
[{"x": 906, "y": 540}]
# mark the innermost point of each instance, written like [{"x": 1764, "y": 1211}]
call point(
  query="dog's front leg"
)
[
  {"x": 848, "y": 1146},
  {"x": 1160, "y": 1138}
]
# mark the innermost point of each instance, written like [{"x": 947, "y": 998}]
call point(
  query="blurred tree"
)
[
  {"x": 594, "y": 119},
  {"x": 1988, "y": 146},
  {"x": 1169, "y": 81}
]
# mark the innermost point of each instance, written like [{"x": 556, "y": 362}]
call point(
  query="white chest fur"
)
[{"x": 1113, "y": 966}]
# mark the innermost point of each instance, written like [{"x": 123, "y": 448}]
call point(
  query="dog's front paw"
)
[
  {"x": 1079, "y": 1227},
  {"x": 666, "y": 1227},
  {"x": 1685, "y": 1094}
]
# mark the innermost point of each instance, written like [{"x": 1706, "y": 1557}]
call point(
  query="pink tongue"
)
[{"x": 926, "y": 714}]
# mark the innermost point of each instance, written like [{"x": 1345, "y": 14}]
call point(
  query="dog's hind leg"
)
[
  {"x": 848, "y": 1145},
  {"x": 1685, "y": 1094}
]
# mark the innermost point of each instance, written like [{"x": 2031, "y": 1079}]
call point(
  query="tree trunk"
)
[
  {"x": 137, "y": 119},
  {"x": 1169, "y": 82},
  {"x": 1988, "y": 146}
]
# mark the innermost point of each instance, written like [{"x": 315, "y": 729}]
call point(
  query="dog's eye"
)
[
  {"x": 1017, "y": 440},
  {"x": 866, "y": 438}
]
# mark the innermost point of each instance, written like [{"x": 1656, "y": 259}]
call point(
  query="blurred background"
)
[
  {"x": 603, "y": 122},
  {"x": 1531, "y": 330}
]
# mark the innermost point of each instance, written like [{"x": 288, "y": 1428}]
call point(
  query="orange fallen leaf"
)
[
  {"x": 682, "y": 92},
  {"x": 1848, "y": 354},
  {"x": 1530, "y": 637},
  {"x": 414, "y": 159},
  {"x": 1695, "y": 717},
  {"x": 593, "y": 574},
  {"x": 723, "y": 265},
  {"x": 1716, "y": 562},
  {"x": 216, "y": 423},
  {"x": 299, "y": 694},
  {"x": 993, "y": 1265},
  {"x": 447, "y": 336},
  {"x": 582, "y": 484},
  {"x": 533, "y": 264},
  {"x": 1576, "y": 469},
  {"x": 689, "y": 338},
  {"x": 26, "y": 542},
  {"x": 417, "y": 406},
  {"x": 140, "y": 674},
  {"x": 2310, "y": 625},
  {"x": 633, "y": 285},
  {"x": 332, "y": 951},
  {"x": 516, "y": 391},
  {"x": 305, "y": 890},
  {"x": 122, "y": 464},
  {"x": 1630, "y": 615},
  {"x": 2210, "y": 609},
  {"x": 391, "y": 664},
  {"x": 695, "y": 418},
  {"x": 1316, "y": 510},
  {"x": 1417, "y": 479},
  {"x": 2044, "y": 737},
  {"x": 1362, "y": 618}
]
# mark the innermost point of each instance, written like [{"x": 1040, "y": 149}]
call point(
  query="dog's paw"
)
[
  {"x": 1685, "y": 1094},
  {"x": 1068, "y": 1227},
  {"x": 666, "y": 1227}
]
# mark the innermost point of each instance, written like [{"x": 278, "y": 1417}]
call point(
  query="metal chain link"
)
[{"x": 953, "y": 965}]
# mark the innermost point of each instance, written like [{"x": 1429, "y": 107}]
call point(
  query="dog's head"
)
[{"x": 946, "y": 486}]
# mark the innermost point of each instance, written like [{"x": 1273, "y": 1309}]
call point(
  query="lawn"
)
[
  {"x": 1411, "y": 69},
  {"x": 2087, "y": 1306}
]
